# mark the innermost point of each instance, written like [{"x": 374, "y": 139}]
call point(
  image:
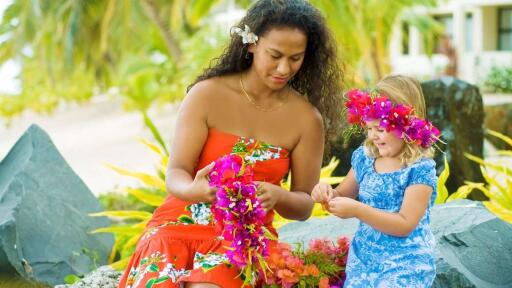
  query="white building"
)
[{"x": 480, "y": 32}]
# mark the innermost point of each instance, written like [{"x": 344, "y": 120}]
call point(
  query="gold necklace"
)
[{"x": 256, "y": 105}]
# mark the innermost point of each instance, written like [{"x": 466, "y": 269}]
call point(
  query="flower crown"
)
[
  {"x": 246, "y": 34},
  {"x": 365, "y": 106}
]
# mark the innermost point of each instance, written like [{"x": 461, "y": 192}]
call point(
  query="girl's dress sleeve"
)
[
  {"x": 359, "y": 161},
  {"x": 424, "y": 172}
]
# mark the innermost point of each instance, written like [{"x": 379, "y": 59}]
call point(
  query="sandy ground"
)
[{"x": 90, "y": 135}]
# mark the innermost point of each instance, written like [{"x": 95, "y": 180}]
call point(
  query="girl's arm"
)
[
  {"x": 348, "y": 187},
  {"x": 400, "y": 224}
]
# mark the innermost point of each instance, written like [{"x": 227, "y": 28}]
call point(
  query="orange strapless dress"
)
[{"x": 180, "y": 243}]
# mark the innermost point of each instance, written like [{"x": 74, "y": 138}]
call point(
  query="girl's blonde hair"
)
[{"x": 404, "y": 90}]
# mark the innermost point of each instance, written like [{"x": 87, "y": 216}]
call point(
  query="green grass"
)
[{"x": 8, "y": 280}]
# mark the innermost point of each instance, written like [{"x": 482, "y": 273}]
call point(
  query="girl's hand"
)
[
  {"x": 200, "y": 190},
  {"x": 322, "y": 193},
  {"x": 267, "y": 195},
  {"x": 343, "y": 207}
]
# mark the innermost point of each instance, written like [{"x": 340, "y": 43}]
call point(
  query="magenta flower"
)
[
  {"x": 238, "y": 212},
  {"x": 398, "y": 118}
]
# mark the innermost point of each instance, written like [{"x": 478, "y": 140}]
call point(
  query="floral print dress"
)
[
  {"x": 377, "y": 259},
  {"x": 181, "y": 242}
]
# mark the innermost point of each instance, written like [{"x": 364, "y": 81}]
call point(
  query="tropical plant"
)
[
  {"x": 498, "y": 186},
  {"x": 443, "y": 195},
  {"x": 499, "y": 79},
  {"x": 151, "y": 49},
  {"x": 442, "y": 191},
  {"x": 71, "y": 50},
  {"x": 133, "y": 222},
  {"x": 363, "y": 29}
]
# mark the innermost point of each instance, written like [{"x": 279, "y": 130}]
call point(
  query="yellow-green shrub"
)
[{"x": 498, "y": 187}]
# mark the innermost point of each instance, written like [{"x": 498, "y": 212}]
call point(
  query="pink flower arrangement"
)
[
  {"x": 322, "y": 265},
  {"x": 362, "y": 106},
  {"x": 239, "y": 213}
]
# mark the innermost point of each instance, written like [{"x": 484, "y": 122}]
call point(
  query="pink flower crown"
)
[{"x": 364, "y": 106}]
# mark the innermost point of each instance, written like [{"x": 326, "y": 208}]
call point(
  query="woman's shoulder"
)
[
  {"x": 303, "y": 108},
  {"x": 211, "y": 90},
  {"x": 212, "y": 85}
]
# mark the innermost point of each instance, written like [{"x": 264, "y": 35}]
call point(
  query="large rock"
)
[
  {"x": 44, "y": 220},
  {"x": 474, "y": 248},
  {"x": 456, "y": 108}
]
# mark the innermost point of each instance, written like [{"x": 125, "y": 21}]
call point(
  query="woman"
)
[{"x": 270, "y": 94}]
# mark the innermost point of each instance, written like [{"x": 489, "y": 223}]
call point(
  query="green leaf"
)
[
  {"x": 186, "y": 219},
  {"x": 122, "y": 230},
  {"x": 121, "y": 264},
  {"x": 150, "y": 180},
  {"x": 463, "y": 191},
  {"x": 442, "y": 191},
  {"x": 152, "y": 127},
  {"x": 148, "y": 198},
  {"x": 496, "y": 167},
  {"x": 498, "y": 210},
  {"x": 162, "y": 279},
  {"x": 153, "y": 267},
  {"x": 503, "y": 137},
  {"x": 126, "y": 214},
  {"x": 150, "y": 283},
  {"x": 71, "y": 279},
  {"x": 153, "y": 147},
  {"x": 504, "y": 153}
]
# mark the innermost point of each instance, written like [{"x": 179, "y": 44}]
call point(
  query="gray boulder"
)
[
  {"x": 474, "y": 248},
  {"x": 456, "y": 108},
  {"x": 44, "y": 209}
]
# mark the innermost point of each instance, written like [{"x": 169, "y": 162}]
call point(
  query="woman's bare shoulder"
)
[
  {"x": 212, "y": 90},
  {"x": 304, "y": 110}
]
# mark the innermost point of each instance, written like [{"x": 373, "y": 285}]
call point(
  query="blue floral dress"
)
[{"x": 377, "y": 259}]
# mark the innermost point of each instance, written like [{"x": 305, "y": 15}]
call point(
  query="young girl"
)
[{"x": 394, "y": 181}]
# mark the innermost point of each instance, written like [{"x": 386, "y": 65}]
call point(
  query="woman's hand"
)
[
  {"x": 322, "y": 193},
  {"x": 267, "y": 195},
  {"x": 343, "y": 207},
  {"x": 200, "y": 190}
]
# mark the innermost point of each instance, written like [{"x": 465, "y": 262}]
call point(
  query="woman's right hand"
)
[
  {"x": 200, "y": 190},
  {"x": 323, "y": 193}
]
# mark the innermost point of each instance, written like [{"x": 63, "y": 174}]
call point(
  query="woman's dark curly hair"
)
[{"x": 320, "y": 77}]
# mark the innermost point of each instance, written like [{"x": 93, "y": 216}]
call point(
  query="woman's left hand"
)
[
  {"x": 268, "y": 195},
  {"x": 343, "y": 207}
]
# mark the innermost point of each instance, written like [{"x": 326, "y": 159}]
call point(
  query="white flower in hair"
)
[{"x": 246, "y": 34}]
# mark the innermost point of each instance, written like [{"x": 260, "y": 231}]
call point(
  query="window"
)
[
  {"x": 505, "y": 28},
  {"x": 441, "y": 42},
  {"x": 468, "y": 32}
]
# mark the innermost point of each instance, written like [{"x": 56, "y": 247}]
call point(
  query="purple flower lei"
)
[
  {"x": 362, "y": 106},
  {"x": 239, "y": 213}
]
